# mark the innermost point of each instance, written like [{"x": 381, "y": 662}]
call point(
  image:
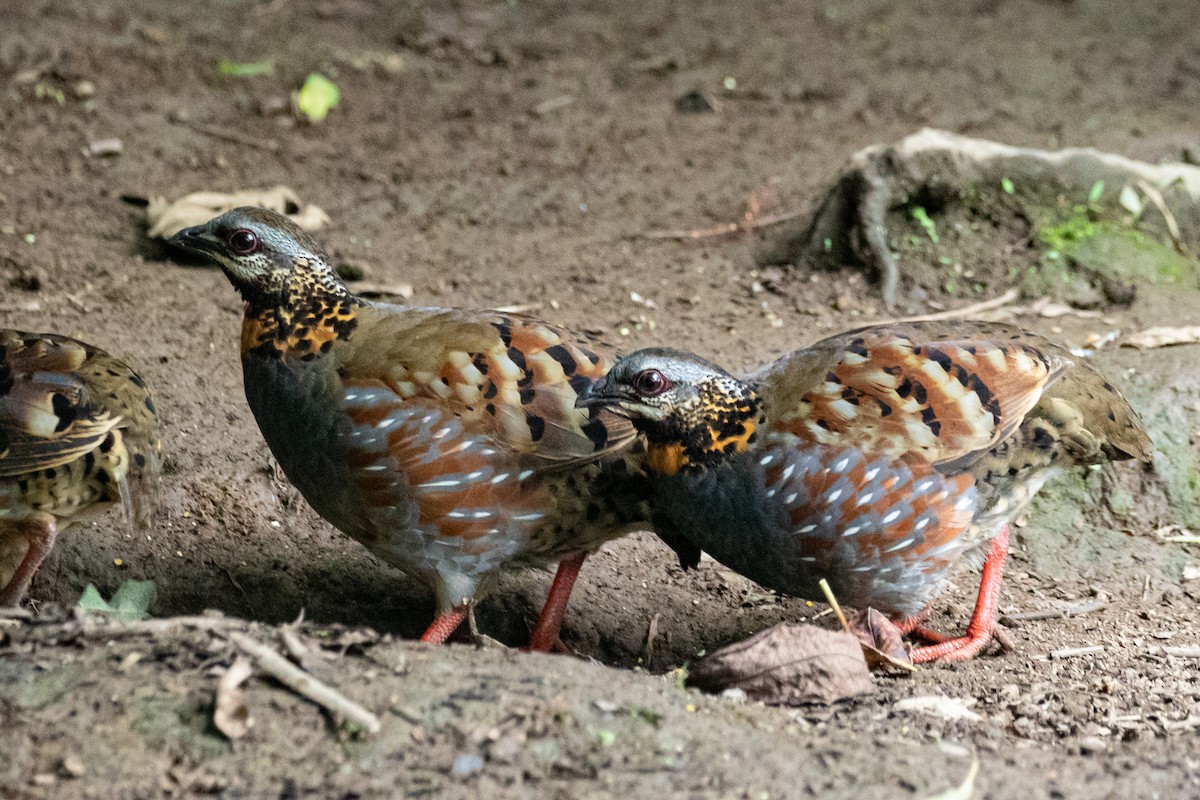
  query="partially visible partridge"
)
[
  {"x": 446, "y": 441},
  {"x": 78, "y": 434},
  {"x": 873, "y": 459}
]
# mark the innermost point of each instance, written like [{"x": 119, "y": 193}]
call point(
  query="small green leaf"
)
[
  {"x": 1097, "y": 191},
  {"x": 1007, "y": 186},
  {"x": 606, "y": 737},
  {"x": 922, "y": 218},
  {"x": 317, "y": 96},
  {"x": 91, "y": 600},
  {"x": 131, "y": 601},
  {"x": 227, "y": 67}
]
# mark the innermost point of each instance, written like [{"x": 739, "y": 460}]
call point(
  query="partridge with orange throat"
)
[
  {"x": 446, "y": 441},
  {"x": 874, "y": 459},
  {"x": 78, "y": 435}
]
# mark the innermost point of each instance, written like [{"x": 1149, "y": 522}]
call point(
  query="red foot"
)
[
  {"x": 544, "y": 638},
  {"x": 983, "y": 620},
  {"x": 445, "y": 624},
  {"x": 41, "y": 532}
]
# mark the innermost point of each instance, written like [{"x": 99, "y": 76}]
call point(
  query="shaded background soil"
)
[{"x": 515, "y": 153}]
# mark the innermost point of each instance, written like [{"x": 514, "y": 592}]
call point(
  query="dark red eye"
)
[
  {"x": 242, "y": 242},
  {"x": 650, "y": 382}
]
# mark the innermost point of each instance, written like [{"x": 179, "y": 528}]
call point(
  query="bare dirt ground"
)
[{"x": 513, "y": 153}]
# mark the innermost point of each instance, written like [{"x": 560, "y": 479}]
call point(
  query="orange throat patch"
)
[
  {"x": 708, "y": 446},
  {"x": 666, "y": 459},
  {"x": 302, "y": 333}
]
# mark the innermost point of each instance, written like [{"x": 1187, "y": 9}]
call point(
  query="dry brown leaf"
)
[
  {"x": 231, "y": 716},
  {"x": 882, "y": 642},
  {"x": 788, "y": 665},
  {"x": 1163, "y": 337},
  {"x": 167, "y": 218}
]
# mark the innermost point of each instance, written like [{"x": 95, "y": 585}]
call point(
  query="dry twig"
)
[
  {"x": 228, "y": 135},
  {"x": 965, "y": 312},
  {"x": 724, "y": 229},
  {"x": 1182, "y": 652},
  {"x": 835, "y": 605},
  {"x": 519, "y": 308},
  {"x": 94, "y": 625},
  {"x": 304, "y": 684},
  {"x": 1069, "y": 611},
  {"x": 1161, "y": 204},
  {"x": 1071, "y": 652}
]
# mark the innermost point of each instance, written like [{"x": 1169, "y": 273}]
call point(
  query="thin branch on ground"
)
[
  {"x": 835, "y": 605},
  {"x": 96, "y": 625},
  {"x": 1182, "y": 652},
  {"x": 1161, "y": 204},
  {"x": 228, "y": 135},
  {"x": 1050, "y": 613},
  {"x": 519, "y": 308},
  {"x": 724, "y": 229},
  {"x": 305, "y": 685},
  {"x": 1071, "y": 652},
  {"x": 964, "y": 312}
]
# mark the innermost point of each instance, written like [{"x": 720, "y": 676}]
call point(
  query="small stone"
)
[
  {"x": 508, "y": 749},
  {"x": 104, "y": 148},
  {"x": 1092, "y": 744},
  {"x": 693, "y": 102},
  {"x": 465, "y": 765},
  {"x": 71, "y": 766},
  {"x": 735, "y": 695}
]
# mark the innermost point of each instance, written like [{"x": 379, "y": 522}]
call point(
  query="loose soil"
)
[{"x": 515, "y": 153}]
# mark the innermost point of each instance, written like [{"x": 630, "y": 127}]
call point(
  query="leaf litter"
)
[
  {"x": 788, "y": 664},
  {"x": 167, "y": 217}
]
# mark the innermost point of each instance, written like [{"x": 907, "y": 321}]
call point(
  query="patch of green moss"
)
[
  {"x": 181, "y": 721},
  {"x": 1049, "y": 277},
  {"x": 1176, "y": 463},
  {"x": 1113, "y": 249},
  {"x": 1054, "y": 533}
]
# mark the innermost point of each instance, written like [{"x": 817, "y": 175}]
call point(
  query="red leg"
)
[
  {"x": 545, "y": 633},
  {"x": 979, "y": 630},
  {"x": 41, "y": 532},
  {"x": 913, "y": 623},
  {"x": 915, "y": 626},
  {"x": 445, "y": 624}
]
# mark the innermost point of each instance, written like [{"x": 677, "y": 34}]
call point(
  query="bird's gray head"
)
[
  {"x": 691, "y": 411},
  {"x": 263, "y": 253}
]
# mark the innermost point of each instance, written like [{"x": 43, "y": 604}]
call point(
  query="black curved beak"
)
[
  {"x": 599, "y": 393},
  {"x": 196, "y": 238}
]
